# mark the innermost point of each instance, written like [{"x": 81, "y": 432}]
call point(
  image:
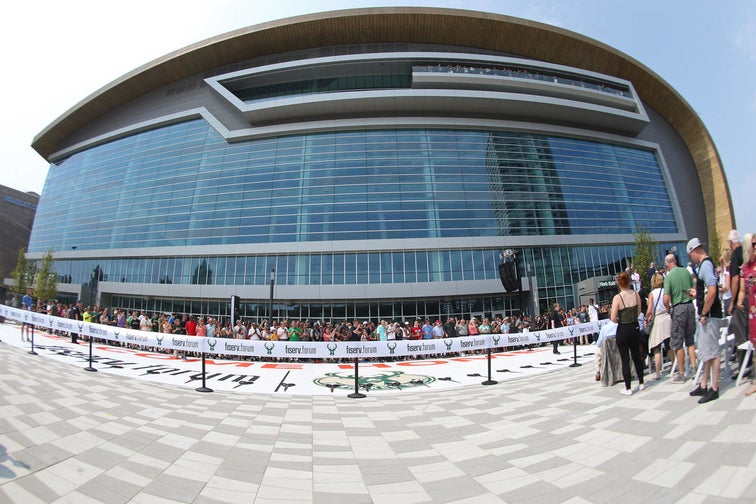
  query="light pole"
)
[{"x": 270, "y": 304}]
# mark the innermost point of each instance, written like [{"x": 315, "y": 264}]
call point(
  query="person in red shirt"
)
[
  {"x": 191, "y": 326},
  {"x": 417, "y": 330}
]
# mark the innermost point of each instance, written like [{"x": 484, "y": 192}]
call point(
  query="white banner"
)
[{"x": 299, "y": 349}]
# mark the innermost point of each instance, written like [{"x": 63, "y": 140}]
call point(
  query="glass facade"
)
[
  {"x": 183, "y": 185},
  {"x": 323, "y": 85},
  {"x": 556, "y": 269}
]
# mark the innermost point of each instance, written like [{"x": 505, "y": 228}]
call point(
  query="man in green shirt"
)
[
  {"x": 679, "y": 292},
  {"x": 295, "y": 332}
]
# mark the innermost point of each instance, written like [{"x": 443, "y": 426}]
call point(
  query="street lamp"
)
[{"x": 270, "y": 305}]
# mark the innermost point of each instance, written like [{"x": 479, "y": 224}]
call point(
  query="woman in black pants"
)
[{"x": 626, "y": 307}]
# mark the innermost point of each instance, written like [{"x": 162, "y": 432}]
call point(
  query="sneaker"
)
[
  {"x": 642, "y": 386},
  {"x": 677, "y": 378},
  {"x": 710, "y": 396},
  {"x": 657, "y": 376},
  {"x": 626, "y": 391},
  {"x": 698, "y": 391}
]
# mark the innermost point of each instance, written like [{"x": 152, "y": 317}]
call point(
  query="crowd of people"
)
[{"x": 684, "y": 312}]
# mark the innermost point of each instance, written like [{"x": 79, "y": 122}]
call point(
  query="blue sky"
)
[{"x": 57, "y": 53}]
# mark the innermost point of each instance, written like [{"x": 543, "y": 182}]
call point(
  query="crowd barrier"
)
[
  {"x": 298, "y": 349},
  {"x": 351, "y": 350}
]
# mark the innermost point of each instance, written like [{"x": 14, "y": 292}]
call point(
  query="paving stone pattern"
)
[{"x": 67, "y": 435}]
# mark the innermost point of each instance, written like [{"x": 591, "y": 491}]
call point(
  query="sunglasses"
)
[{"x": 753, "y": 244}]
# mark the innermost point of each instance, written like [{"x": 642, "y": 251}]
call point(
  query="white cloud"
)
[{"x": 744, "y": 37}]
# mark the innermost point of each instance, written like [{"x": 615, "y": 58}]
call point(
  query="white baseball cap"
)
[
  {"x": 734, "y": 236},
  {"x": 693, "y": 244}
]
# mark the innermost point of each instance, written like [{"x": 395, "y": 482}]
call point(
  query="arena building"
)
[{"x": 378, "y": 161}]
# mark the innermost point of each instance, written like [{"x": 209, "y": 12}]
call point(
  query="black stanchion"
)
[
  {"x": 204, "y": 387},
  {"x": 575, "y": 363},
  {"x": 90, "y": 368},
  {"x": 356, "y": 394},
  {"x": 489, "y": 381},
  {"x": 32, "y": 342}
]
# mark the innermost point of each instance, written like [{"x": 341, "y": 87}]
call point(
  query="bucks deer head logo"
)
[
  {"x": 332, "y": 348},
  {"x": 448, "y": 344},
  {"x": 496, "y": 339},
  {"x": 269, "y": 347},
  {"x": 160, "y": 340},
  {"x": 211, "y": 342},
  {"x": 391, "y": 346}
]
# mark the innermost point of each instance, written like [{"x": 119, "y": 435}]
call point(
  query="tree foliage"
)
[
  {"x": 715, "y": 247},
  {"x": 24, "y": 273},
  {"x": 646, "y": 252},
  {"x": 47, "y": 279}
]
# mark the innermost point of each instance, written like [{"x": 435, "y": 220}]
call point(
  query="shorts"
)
[
  {"x": 683, "y": 326},
  {"x": 708, "y": 339}
]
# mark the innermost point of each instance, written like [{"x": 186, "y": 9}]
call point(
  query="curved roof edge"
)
[{"x": 423, "y": 25}]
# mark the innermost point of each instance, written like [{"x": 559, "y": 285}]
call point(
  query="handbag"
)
[
  {"x": 739, "y": 325},
  {"x": 650, "y": 325}
]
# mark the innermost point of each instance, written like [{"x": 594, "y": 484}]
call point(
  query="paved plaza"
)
[{"x": 67, "y": 435}]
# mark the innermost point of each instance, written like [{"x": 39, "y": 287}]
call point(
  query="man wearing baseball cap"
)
[{"x": 710, "y": 316}]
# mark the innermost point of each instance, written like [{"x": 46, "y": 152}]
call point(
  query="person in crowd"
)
[
  {"x": 582, "y": 318},
  {"x": 133, "y": 320},
  {"x": 191, "y": 326},
  {"x": 416, "y": 331},
  {"x": 201, "y": 327},
  {"x": 328, "y": 332},
  {"x": 295, "y": 331},
  {"x": 485, "y": 327},
  {"x": 724, "y": 280},
  {"x": 555, "y": 322},
  {"x": 240, "y": 330},
  {"x": 747, "y": 292},
  {"x": 402, "y": 331},
  {"x": 166, "y": 325},
  {"x": 679, "y": 292},
  {"x": 710, "y": 316},
  {"x": 626, "y": 306},
  {"x": 593, "y": 315},
  {"x": 657, "y": 316},
  {"x": 427, "y": 330},
  {"x": 473, "y": 327},
  {"x": 608, "y": 330},
  {"x": 437, "y": 332},
  {"x": 461, "y": 327},
  {"x": 145, "y": 324},
  {"x": 450, "y": 327},
  {"x": 391, "y": 330},
  {"x": 211, "y": 328},
  {"x": 382, "y": 330},
  {"x": 636, "y": 280}
]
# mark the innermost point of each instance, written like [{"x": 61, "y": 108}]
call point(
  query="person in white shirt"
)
[{"x": 724, "y": 280}]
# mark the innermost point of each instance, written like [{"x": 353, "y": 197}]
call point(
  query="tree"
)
[
  {"x": 715, "y": 247},
  {"x": 646, "y": 252},
  {"x": 23, "y": 274},
  {"x": 47, "y": 279}
]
